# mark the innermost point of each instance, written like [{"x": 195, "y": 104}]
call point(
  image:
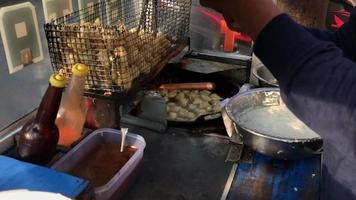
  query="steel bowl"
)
[
  {"x": 267, "y": 143},
  {"x": 264, "y": 76}
]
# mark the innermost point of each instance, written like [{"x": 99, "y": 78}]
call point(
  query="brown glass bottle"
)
[{"x": 39, "y": 136}]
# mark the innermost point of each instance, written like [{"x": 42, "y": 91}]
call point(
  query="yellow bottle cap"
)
[
  {"x": 80, "y": 70},
  {"x": 58, "y": 80}
]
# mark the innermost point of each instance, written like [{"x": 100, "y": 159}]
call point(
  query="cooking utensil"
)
[
  {"x": 123, "y": 138},
  {"x": 271, "y": 144},
  {"x": 139, "y": 31},
  {"x": 230, "y": 126},
  {"x": 207, "y": 66},
  {"x": 188, "y": 86},
  {"x": 150, "y": 113},
  {"x": 264, "y": 76}
]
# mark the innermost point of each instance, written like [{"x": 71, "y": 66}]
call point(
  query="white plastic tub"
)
[{"x": 121, "y": 181}]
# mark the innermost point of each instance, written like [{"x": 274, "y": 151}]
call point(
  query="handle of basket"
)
[
  {"x": 154, "y": 17},
  {"x": 188, "y": 86},
  {"x": 143, "y": 22}
]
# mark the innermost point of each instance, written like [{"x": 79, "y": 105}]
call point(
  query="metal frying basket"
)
[{"x": 121, "y": 41}]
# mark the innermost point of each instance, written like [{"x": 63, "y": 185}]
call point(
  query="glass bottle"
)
[
  {"x": 39, "y": 136},
  {"x": 72, "y": 112}
]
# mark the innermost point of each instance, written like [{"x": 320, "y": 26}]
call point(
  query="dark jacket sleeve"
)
[
  {"x": 344, "y": 38},
  {"x": 318, "y": 84},
  {"x": 324, "y": 35}
]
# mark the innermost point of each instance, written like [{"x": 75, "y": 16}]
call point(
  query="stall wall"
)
[{"x": 21, "y": 92}]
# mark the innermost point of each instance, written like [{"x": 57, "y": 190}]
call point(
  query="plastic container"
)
[{"x": 119, "y": 183}]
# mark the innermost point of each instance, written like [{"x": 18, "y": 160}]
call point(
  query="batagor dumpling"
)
[{"x": 172, "y": 115}]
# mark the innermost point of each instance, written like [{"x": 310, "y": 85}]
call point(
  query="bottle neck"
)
[
  {"x": 47, "y": 111},
  {"x": 73, "y": 96},
  {"x": 79, "y": 83}
]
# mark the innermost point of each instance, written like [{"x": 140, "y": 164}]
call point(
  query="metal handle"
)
[
  {"x": 188, "y": 86},
  {"x": 245, "y": 87}
]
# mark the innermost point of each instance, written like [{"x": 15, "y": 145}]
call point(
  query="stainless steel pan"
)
[{"x": 267, "y": 143}]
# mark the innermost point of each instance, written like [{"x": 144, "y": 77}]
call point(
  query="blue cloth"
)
[
  {"x": 317, "y": 76},
  {"x": 21, "y": 175}
]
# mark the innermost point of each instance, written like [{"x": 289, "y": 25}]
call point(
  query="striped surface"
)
[{"x": 266, "y": 178}]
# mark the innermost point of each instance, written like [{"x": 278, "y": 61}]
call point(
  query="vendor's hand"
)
[{"x": 250, "y": 15}]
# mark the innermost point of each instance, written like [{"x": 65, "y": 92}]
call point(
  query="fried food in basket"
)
[{"x": 115, "y": 58}]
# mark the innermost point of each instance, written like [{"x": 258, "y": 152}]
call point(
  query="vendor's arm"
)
[
  {"x": 315, "y": 78},
  {"x": 318, "y": 83},
  {"x": 344, "y": 38}
]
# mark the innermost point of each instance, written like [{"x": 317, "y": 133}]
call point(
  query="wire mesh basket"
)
[{"x": 121, "y": 41}]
